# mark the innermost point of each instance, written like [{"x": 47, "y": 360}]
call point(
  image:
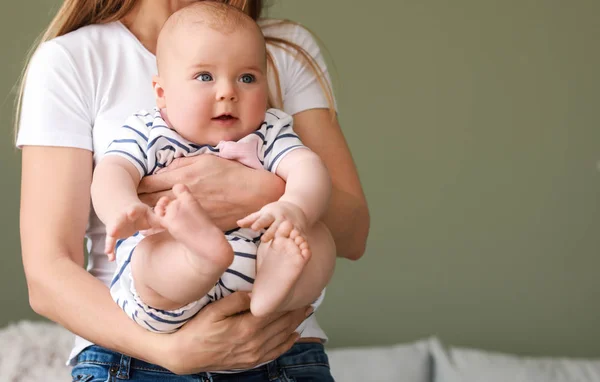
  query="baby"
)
[{"x": 211, "y": 98}]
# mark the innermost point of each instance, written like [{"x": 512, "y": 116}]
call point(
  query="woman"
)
[{"x": 90, "y": 73}]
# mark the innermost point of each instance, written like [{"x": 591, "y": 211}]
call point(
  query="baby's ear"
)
[{"x": 159, "y": 92}]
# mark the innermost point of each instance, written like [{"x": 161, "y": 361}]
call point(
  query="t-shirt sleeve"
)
[
  {"x": 279, "y": 139},
  {"x": 300, "y": 86},
  {"x": 55, "y": 109},
  {"x": 131, "y": 143}
]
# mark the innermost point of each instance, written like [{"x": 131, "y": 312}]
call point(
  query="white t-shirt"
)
[{"x": 81, "y": 87}]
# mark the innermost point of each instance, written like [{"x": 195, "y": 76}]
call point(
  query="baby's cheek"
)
[
  {"x": 258, "y": 106},
  {"x": 189, "y": 114}
]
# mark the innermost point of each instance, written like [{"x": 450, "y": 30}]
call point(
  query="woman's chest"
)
[{"x": 117, "y": 100}]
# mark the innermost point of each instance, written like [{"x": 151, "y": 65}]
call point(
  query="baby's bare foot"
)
[
  {"x": 280, "y": 263},
  {"x": 189, "y": 224}
]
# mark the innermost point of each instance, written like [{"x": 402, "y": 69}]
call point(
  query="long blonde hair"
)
[{"x": 74, "y": 14}]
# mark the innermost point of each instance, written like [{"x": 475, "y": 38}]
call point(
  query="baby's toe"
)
[
  {"x": 306, "y": 253},
  {"x": 295, "y": 233},
  {"x": 299, "y": 240}
]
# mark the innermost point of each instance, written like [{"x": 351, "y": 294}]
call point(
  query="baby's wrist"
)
[{"x": 291, "y": 200}]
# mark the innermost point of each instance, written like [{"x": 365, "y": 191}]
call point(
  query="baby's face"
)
[{"x": 215, "y": 85}]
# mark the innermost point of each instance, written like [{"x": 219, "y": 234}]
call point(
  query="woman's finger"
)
[
  {"x": 178, "y": 163},
  {"x": 231, "y": 305},
  {"x": 280, "y": 349},
  {"x": 163, "y": 181},
  {"x": 176, "y": 172},
  {"x": 288, "y": 321},
  {"x": 281, "y": 333},
  {"x": 277, "y": 339},
  {"x": 158, "y": 182},
  {"x": 152, "y": 199}
]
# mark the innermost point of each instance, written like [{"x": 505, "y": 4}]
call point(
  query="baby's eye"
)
[
  {"x": 247, "y": 78},
  {"x": 204, "y": 77}
]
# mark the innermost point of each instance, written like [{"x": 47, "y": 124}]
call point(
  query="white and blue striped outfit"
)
[{"x": 149, "y": 144}]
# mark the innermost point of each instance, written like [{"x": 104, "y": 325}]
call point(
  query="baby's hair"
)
[{"x": 219, "y": 16}]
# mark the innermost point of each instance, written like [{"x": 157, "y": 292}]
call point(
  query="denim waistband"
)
[{"x": 301, "y": 354}]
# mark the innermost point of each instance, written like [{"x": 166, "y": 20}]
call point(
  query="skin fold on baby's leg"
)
[
  {"x": 291, "y": 273},
  {"x": 180, "y": 265}
]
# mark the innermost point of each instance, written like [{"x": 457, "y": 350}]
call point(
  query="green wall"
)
[{"x": 474, "y": 129}]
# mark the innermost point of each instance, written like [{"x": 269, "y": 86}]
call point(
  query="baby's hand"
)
[
  {"x": 273, "y": 215},
  {"x": 133, "y": 219}
]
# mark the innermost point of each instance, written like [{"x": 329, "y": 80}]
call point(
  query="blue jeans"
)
[{"x": 303, "y": 362}]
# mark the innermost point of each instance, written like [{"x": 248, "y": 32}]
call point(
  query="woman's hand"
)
[
  {"x": 227, "y": 190},
  {"x": 219, "y": 337}
]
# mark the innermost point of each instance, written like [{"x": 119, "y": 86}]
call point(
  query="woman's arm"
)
[
  {"x": 348, "y": 216},
  {"x": 55, "y": 205},
  {"x": 55, "y": 202}
]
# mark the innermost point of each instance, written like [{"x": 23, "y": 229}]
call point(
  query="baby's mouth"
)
[{"x": 224, "y": 117}]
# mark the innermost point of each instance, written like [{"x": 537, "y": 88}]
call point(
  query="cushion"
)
[
  {"x": 404, "y": 362},
  {"x": 470, "y": 365},
  {"x": 34, "y": 351}
]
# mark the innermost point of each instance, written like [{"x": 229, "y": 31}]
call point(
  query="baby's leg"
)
[
  {"x": 290, "y": 274},
  {"x": 179, "y": 266}
]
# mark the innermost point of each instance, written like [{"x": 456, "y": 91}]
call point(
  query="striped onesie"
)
[{"x": 150, "y": 145}]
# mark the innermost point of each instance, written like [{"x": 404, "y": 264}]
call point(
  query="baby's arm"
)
[
  {"x": 308, "y": 185},
  {"x": 115, "y": 200},
  {"x": 304, "y": 201}
]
